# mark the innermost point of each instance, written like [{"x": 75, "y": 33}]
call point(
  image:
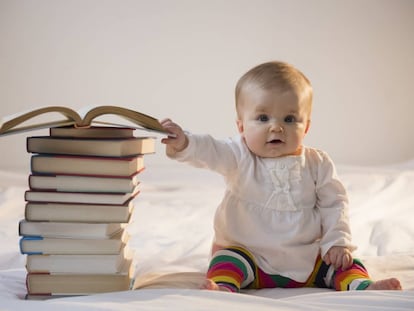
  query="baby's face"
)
[{"x": 273, "y": 123}]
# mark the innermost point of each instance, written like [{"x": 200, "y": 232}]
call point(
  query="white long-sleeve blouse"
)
[{"x": 285, "y": 211}]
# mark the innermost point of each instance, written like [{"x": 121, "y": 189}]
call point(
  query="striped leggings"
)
[{"x": 235, "y": 269}]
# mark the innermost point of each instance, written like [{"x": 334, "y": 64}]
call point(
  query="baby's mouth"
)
[{"x": 275, "y": 142}]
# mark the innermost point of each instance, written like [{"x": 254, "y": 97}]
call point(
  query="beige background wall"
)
[{"x": 182, "y": 58}]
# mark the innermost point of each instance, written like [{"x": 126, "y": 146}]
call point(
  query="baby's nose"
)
[{"x": 275, "y": 126}]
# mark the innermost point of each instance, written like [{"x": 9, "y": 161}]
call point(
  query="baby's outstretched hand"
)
[
  {"x": 177, "y": 141},
  {"x": 339, "y": 257}
]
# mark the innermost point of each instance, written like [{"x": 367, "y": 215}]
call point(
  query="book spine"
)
[
  {"x": 26, "y": 210},
  {"x": 32, "y": 178},
  {"x": 28, "y": 287},
  {"x": 31, "y": 164},
  {"x": 27, "y": 145},
  {"x": 20, "y": 227},
  {"x": 29, "y": 238}
]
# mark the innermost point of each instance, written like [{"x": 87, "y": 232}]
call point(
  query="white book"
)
[
  {"x": 72, "y": 212},
  {"x": 77, "y": 183},
  {"x": 69, "y": 229},
  {"x": 78, "y": 197},
  {"x": 82, "y": 264},
  {"x": 72, "y": 246}
]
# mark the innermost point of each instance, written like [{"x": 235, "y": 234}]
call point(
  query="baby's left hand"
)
[{"x": 339, "y": 257}]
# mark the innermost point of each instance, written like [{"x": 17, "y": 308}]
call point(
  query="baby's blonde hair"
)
[{"x": 278, "y": 76}]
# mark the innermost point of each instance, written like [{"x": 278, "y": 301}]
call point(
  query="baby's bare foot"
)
[
  {"x": 387, "y": 284},
  {"x": 211, "y": 285}
]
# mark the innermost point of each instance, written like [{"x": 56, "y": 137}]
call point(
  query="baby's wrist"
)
[{"x": 182, "y": 146}]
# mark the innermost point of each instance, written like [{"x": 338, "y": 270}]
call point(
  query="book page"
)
[
  {"x": 132, "y": 116},
  {"x": 15, "y": 122},
  {"x": 84, "y": 110}
]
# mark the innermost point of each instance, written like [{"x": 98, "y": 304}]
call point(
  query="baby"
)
[{"x": 283, "y": 221}]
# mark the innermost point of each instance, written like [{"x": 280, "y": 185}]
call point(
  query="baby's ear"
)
[
  {"x": 307, "y": 126},
  {"x": 240, "y": 126}
]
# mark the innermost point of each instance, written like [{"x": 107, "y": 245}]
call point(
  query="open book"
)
[{"x": 82, "y": 118}]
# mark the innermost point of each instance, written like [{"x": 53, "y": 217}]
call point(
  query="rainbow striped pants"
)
[{"x": 235, "y": 269}]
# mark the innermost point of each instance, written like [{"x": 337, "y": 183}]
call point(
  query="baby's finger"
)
[
  {"x": 339, "y": 262},
  {"x": 165, "y": 121},
  {"x": 347, "y": 261}
]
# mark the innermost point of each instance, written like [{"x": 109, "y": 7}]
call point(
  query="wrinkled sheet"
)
[{"x": 171, "y": 233}]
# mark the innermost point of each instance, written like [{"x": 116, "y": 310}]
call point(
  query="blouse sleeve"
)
[
  {"x": 204, "y": 151},
  {"x": 332, "y": 201}
]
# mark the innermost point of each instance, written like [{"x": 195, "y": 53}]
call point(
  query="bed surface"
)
[{"x": 171, "y": 233}]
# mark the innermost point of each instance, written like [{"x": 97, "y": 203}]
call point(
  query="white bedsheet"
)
[{"x": 171, "y": 233}]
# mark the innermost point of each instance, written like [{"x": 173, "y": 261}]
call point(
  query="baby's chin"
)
[
  {"x": 275, "y": 153},
  {"x": 272, "y": 149}
]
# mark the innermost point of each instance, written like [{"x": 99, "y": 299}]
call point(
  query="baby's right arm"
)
[
  {"x": 199, "y": 150},
  {"x": 178, "y": 141}
]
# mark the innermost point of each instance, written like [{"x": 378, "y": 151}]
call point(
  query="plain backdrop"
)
[{"x": 182, "y": 58}]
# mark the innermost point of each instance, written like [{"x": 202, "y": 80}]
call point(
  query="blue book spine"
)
[{"x": 29, "y": 238}]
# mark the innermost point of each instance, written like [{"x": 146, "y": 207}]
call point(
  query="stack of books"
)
[
  {"x": 83, "y": 181},
  {"x": 82, "y": 186}
]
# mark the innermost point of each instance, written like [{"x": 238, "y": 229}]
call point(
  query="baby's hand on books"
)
[
  {"x": 339, "y": 257},
  {"x": 178, "y": 140}
]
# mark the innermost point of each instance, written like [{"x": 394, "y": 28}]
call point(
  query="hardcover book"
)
[
  {"x": 79, "y": 264},
  {"x": 72, "y": 230},
  {"x": 104, "y": 147},
  {"x": 79, "y": 284},
  {"x": 72, "y": 212},
  {"x": 77, "y": 183},
  {"x": 81, "y": 197},
  {"x": 86, "y": 166},
  {"x": 40, "y": 245}
]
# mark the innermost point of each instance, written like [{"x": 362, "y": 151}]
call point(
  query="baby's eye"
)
[
  {"x": 290, "y": 119},
  {"x": 263, "y": 118}
]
